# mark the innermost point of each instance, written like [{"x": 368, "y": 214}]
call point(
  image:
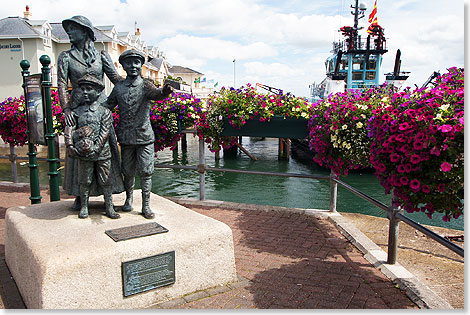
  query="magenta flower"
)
[
  {"x": 414, "y": 184},
  {"x": 394, "y": 158},
  {"x": 404, "y": 126},
  {"x": 404, "y": 180},
  {"x": 445, "y": 128},
  {"x": 446, "y": 167},
  {"x": 415, "y": 159},
  {"x": 435, "y": 151},
  {"x": 425, "y": 189},
  {"x": 441, "y": 188}
]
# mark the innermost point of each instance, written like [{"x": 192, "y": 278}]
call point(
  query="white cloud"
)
[
  {"x": 185, "y": 47},
  {"x": 271, "y": 37}
]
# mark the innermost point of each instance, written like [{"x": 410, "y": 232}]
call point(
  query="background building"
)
[{"x": 25, "y": 38}]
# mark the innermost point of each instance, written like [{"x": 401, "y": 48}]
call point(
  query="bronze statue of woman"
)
[{"x": 83, "y": 58}]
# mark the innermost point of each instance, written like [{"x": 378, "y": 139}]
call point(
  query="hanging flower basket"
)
[{"x": 276, "y": 127}]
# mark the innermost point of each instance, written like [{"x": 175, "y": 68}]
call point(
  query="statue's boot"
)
[
  {"x": 129, "y": 187},
  {"x": 108, "y": 202},
  {"x": 76, "y": 204},
  {"x": 84, "y": 206},
  {"x": 146, "y": 184}
]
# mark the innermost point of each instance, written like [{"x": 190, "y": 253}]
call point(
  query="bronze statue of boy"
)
[
  {"x": 134, "y": 131},
  {"x": 87, "y": 140}
]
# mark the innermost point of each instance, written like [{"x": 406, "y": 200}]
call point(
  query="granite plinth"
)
[{"x": 59, "y": 261}]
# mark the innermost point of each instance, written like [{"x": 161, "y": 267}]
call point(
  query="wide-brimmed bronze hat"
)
[
  {"x": 89, "y": 79},
  {"x": 82, "y": 21},
  {"x": 132, "y": 53}
]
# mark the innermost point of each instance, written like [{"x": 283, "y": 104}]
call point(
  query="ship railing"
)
[
  {"x": 360, "y": 45},
  {"x": 394, "y": 213}
]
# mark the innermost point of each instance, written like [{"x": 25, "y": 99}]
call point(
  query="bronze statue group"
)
[{"x": 93, "y": 165}]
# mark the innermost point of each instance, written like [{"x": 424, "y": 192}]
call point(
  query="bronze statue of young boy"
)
[
  {"x": 134, "y": 131},
  {"x": 87, "y": 140}
]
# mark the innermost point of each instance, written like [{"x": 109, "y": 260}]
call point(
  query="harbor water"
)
[{"x": 257, "y": 189}]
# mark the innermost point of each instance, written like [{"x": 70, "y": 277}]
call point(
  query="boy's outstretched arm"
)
[{"x": 157, "y": 94}]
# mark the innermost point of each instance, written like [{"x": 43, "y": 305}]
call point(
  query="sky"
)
[{"x": 282, "y": 44}]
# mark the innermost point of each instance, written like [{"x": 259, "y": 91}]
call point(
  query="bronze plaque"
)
[
  {"x": 148, "y": 273},
  {"x": 134, "y": 231}
]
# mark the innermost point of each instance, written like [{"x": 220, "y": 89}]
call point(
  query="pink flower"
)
[
  {"x": 401, "y": 168},
  {"x": 426, "y": 189},
  {"x": 394, "y": 158},
  {"x": 461, "y": 120},
  {"x": 446, "y": 167},
  {"x": 445, "y": 128},
  {"x": 415, "y": 159},
  {"x": 414, "y": 184},
  {"x": 435, "y": 151},
  {"x": 404, "y": 180},
  {"x": 404, "y": 126},
  {"x": 441, "y": 188}
]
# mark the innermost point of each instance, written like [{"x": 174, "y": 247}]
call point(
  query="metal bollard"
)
[
  {"x": 333, "y": 192},
  {"x": 201, "y": 168},
  {"x": 393, "y": 231}
]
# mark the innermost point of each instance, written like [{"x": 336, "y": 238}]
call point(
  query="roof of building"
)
[
  {"x": 181, "y": 70},
  {"x": 16, "y": 26},
  {"x": 105, "y": 27},
  {"x": 156, "y": 62},
  {"x": 35, "y": 22},
  {"x": 59, "y": 32}
]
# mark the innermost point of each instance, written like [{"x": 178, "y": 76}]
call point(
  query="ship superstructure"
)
[{"x": 356, "y": 59}]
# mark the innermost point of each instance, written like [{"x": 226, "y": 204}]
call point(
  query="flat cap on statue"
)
[
  {"x": 132, "y": 53},
  {"x": 89, "y": 79},
  {"x": 82, "y": 21}
]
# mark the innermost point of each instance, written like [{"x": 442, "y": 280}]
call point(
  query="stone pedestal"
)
[{"x": 62, "y": 262}]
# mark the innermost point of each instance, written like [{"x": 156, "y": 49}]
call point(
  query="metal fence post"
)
[
  {"x": 393, "y": 230},
  {"x": 333, "y": 192},
  {"x": 33, "y": 163},
  {"x": 50, "y": 135},
  {"x": 201, "y": 168}
]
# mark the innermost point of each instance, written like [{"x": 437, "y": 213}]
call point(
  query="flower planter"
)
[{"x": 277, "y": 127}]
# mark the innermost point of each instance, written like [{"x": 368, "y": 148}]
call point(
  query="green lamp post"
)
[
  {"x": 33, "y": 163},
  {"x": 50, "y": 135}
]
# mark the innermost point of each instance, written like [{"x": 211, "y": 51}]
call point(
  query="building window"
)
[{"x": 47, "y": 33}]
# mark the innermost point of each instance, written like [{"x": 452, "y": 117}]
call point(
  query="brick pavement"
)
[{"x": 284, "y": 260}]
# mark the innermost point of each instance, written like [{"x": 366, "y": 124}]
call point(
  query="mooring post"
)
[
  {"x": 12, "y": 157},
  {"x": 50, "y": 135},
  {"x": 333, "y": 191},
  {"x": 33, "y": 163},
  {"x": 201, "y": 168},
  {"x": 393, "y": 231}
]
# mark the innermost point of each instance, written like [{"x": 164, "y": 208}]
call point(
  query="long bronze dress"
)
[{"x": 71, "y": 66}]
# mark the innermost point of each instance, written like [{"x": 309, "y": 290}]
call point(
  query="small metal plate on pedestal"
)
[
  {"x": 134, "y": 231},
  {"x": 148, "y": 273}
]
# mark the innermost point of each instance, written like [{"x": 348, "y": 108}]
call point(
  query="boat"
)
[
  {"x": 354, "y": 64},
  {"x": 356, "y": 60}
]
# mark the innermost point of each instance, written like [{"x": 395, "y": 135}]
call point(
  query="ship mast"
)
[{"x": 358, "y": 13}]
